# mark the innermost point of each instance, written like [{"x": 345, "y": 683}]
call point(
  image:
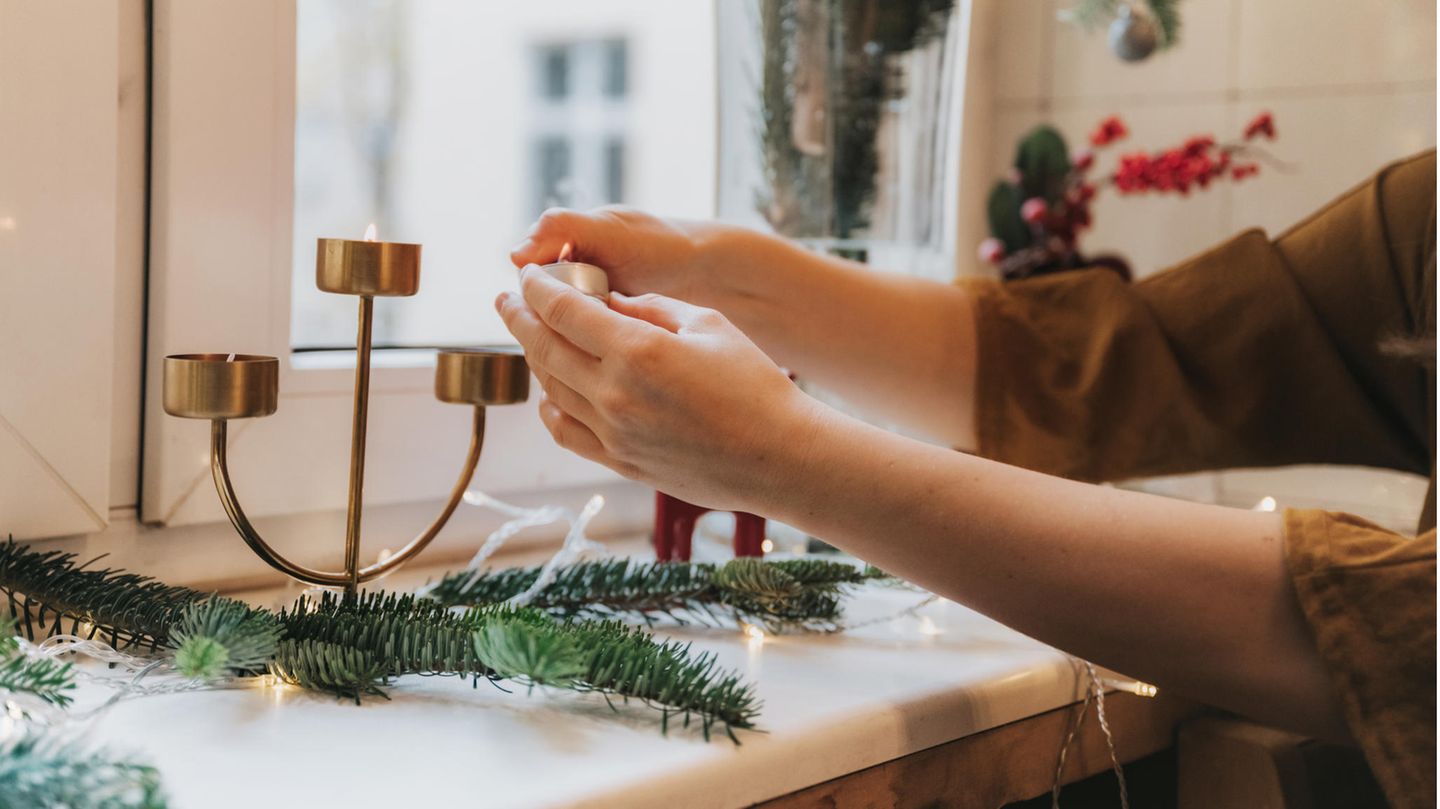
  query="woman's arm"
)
[
  {"x": 900, "y": 348},
  {"x": 1192, "y": 597}
]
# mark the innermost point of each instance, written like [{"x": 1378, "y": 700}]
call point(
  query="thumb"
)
[
  {"x": 667, "y": 313},
  {"x": 549, "y": 234}
]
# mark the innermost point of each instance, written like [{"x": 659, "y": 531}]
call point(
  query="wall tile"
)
[
  {"x": 1021, "y": 40},
  {"x": 1333, "y": 143},
  {"x": 1083, "y": 66},
  {"x": 1299, "y": 43}
]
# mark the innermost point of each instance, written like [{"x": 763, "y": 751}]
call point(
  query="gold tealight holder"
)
[{"x": 220, "y": 387}]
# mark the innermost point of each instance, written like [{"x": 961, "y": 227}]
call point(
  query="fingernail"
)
[{"x": 500, "y": 300}]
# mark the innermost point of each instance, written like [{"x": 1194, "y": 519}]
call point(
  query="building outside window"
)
[{"x": 456, "y": 124}]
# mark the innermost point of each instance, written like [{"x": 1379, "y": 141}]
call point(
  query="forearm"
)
[
  {"x": 1192, "y": 597},
  {"x": 898, "y": 347}
]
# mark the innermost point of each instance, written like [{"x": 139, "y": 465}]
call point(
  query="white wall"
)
[{"x": 1351, "y": 85}]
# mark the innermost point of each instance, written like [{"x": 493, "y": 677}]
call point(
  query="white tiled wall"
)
[{"x": 1352, "y": 87}]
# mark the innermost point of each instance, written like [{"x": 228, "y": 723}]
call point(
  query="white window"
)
[
  {"x": 578, "y": 120},
  {"x": 447, "y": 124}
]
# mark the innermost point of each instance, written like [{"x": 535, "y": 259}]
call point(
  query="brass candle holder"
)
[{"x": 220, "y": 387}]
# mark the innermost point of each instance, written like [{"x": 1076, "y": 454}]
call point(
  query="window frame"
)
[{"x": 220, "y": 280}]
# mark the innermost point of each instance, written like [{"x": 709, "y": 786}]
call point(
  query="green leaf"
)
[
  {"x": 1043, "y": 161},
  {"x": 1003, "y": 210}
]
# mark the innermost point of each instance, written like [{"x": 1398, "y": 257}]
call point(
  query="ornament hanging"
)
[
  {"x": 1134, "y": 34},
  {"x": 1137, "y": 28}
]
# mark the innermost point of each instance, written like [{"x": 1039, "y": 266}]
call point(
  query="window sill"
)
[{"x": 211, "y": 556}]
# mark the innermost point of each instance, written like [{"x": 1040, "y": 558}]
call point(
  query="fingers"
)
[
  {"x": 568, "y": 400},
  {"x": 548, "y": 353},
  {"x": 552, "y": 230},
  {"x": 667, "y": 313},
  {"x": 585, "y": 322},
  {"x": 573, "y": 435}
]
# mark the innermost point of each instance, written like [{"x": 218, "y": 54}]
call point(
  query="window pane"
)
[
  {"x": 552, "y": 175},
  {"x": 454, "y": 124},
  {"x": 554, "y": 72},
  {"x": 615, "y": 171},
  {"x": 615, "y": 68}
]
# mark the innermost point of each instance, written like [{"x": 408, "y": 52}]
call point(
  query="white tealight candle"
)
[{"x": 587, "y": 278}]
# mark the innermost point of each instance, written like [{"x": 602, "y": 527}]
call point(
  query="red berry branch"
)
[{"x": 1036, "y": 217}]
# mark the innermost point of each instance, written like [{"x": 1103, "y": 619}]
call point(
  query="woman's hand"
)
[
  {"x": 660, "y": 391},
  {"x": 641, "y": 253}
]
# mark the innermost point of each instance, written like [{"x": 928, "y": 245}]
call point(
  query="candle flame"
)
[
  {"x": 564, "y": 252},
  {"x": 371, "y": 232}
]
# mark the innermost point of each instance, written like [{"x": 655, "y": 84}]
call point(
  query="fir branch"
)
[
  {"x": 221, "y": 634},
  {"x": 626, "y": 661},
  {"x": 400, "y": 633},
  {"x": 41, "y": 770},
  {"x": 43, "y": 678},
  {"x": 342, "y": 670},
  {"x": 124, "y": 608},
  {"x": 541, "y": 655},
  {"x": 781, "y": 595},
  {"x": 352, "y": 645}
]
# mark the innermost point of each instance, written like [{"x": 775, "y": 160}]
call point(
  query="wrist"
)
[{"x": 792, "y": 457}]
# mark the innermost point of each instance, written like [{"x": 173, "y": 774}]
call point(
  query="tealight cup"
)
[
  {"x": 377, "y": 269},
  {"x": 482, "y": 376},
  {"x": 221, "y": 386}
]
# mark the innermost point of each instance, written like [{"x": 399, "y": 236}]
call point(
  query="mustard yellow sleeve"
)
[
  {"x": 1259, "y": 352},
  {"x": 1368, "y": 595}
]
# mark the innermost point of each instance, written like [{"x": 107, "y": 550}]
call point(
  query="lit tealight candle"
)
[
  {"x": 587, "y": 278},
  {"x": 367, "y": 267}
]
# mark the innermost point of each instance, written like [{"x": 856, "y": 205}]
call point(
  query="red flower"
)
[
  {"x": 1082, "y": 160},
  {"x": 1110, "y": 130},
  {"x": 1263, "y": 124}
]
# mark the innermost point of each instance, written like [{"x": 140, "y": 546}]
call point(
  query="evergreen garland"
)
[
  {"x": 790, "y": 594},
  {"x": 353, "y": 645}
]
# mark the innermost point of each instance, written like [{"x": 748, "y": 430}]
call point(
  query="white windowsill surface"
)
[{"x": 833, "y": 704}]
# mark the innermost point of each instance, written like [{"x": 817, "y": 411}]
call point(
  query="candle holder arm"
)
[
  {"x": 220, "y": 470},
  {"x": 472, "y": 459}
]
